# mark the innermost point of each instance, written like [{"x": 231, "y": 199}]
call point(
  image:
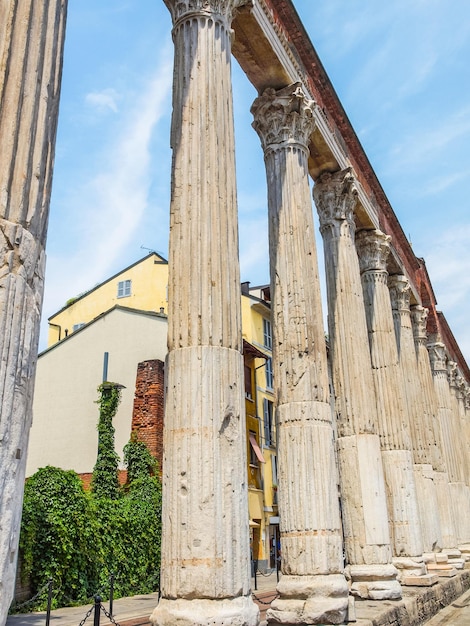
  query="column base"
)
[
  {"x": 409, "y": 566},
  {"x": 374, "y": 582},
  {"x": 319, "y": 599},
  {"x": 241, "y": 611}
]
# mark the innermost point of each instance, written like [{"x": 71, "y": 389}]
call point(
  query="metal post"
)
[
  {"x": 96, "y": 617},
  {"x": 255, "y": 566},
  {"x": 111, "y": 592},
  {"x": 105, "y": 366},
  {"x": 276, "y": 554},
  {"x": 49, "y": 602}
]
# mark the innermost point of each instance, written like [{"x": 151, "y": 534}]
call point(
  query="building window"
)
[
  {"x": 124, "y": 288},
  {"x": 248, "y": 386},
  {"x": 77, "y": 326},
  {"x": 269, "y": 374},
  {"x": 267, "y": 334},
  {"x": 268, "y": 422}
]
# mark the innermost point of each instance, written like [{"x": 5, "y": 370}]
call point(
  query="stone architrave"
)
[
  {"x": 205, "y": 539},
  {"x": 364, "y": 504},
  {"x": 313, "y": 588},
  {"x": 447, "y": 508},
  {"x": 393, "y": 424},
  {"x": 31, "y": 47},
  {"x": 420, "y": 419}
]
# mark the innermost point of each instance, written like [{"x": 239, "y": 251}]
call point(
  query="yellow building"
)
[
  {"x": 142, "y": 287},
  {"x": 260, "y": 424}
]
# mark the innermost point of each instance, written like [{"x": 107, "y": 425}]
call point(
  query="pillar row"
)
[
  {"x": 313, "y": 588},
  {"x": 420, "y": 419},
  {"x": 364, "y": 505},
  {"x": 447, "y": 508},
  {"x": 205, "y": 537},
  {"x": 393, "y": 423}
]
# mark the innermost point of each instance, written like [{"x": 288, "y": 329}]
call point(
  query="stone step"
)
[{"x": 420, "y": 581}]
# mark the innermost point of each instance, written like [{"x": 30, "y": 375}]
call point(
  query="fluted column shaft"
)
[
  {"x": 205, "y": 541},
  {"x": 440, "y": 476},
  {"x": 311, "y": 536},
  {"x": 447, "y": 507},
  {"x": 420, "y": 419},
  {"x": 393, "y": 425},
  {"x": 365, "y": 521},
  {"x": 31, "y": 47},
  {"x": 418, "y": 321}
]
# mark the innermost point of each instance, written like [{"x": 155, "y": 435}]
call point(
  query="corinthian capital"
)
[
  {"x": 335, "y": 197},
  {"x": 283, "y": 117},
  {"x": 373, "y": 247},
  {"x": 400, "y": 292},
  {"x": 419, "y": 318},
  {"x": 224, "y": 8},
  {"x": 437, "y": 356},
  {"x": 452, "y": 373}
]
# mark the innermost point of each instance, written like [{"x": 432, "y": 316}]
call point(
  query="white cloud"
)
[
  {"x": 103, "y": 100},
  {"x": 108, "y": 206}
]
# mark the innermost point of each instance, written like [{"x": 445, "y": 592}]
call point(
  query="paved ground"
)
[{"x": 135, "y": 611}]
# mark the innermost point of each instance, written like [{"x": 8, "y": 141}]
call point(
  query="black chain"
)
[
  {"x": 33, "y": 599},
  {"x": 276, "y": 595},
  {"x": 108, "y": 615},
  {"x": 86, "y": 616}
]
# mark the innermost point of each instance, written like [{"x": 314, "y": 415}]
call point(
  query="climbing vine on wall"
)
[{"x": 104, "y": 483}]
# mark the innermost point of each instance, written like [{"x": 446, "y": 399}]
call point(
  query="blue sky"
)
[{"x": 401, "y": 70}]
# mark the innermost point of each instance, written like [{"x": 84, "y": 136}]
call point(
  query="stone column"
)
[
  {"x": 205, "y": 541},
  {"x": 313, "y": 588},
  {"x": 364, "y": 505},
  {"x": 420, "y": 419},
  {"x": 460, "y": 387},
  {"x": 460, "y": 488},
  {"x": 31, "y": 46},
  {"x": 393, "y": 424},
  {"x": 437, "y": 356}
]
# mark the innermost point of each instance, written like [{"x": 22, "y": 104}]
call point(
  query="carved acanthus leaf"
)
[
  {"x": 284, "y": 116},
  {"x": 224, "y": 8},
  {"x": 335, "y": 197},
  {"x": 419, "y": 318},
  {"x": 437, "y": 356},
  {"x": 373, "y": 247},
  {"x": 400, "y": 292}
]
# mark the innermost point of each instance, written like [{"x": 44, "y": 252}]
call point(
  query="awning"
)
[
  {"x": 256, "y": 448},
  {"x": 254, "y": 524},
  {"x": 250, "y": 350}
]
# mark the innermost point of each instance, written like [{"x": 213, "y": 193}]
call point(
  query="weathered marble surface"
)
[
  {"x": 362, "y": 485},
  {"x": 205, "y": 538},
  {"x": 31, "y": 45},
  {"x": 313, "y": 588},
  {"x": 393, "y": 418}
]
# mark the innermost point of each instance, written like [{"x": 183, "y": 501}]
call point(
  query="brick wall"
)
[{"x": 147, "y": 415}]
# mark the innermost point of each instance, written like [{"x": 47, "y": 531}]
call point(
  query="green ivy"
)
[
  {"x": 104, "y": 482},
  {"x": 57, "y": 536},
  {"x": 78, "y": 539}
]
